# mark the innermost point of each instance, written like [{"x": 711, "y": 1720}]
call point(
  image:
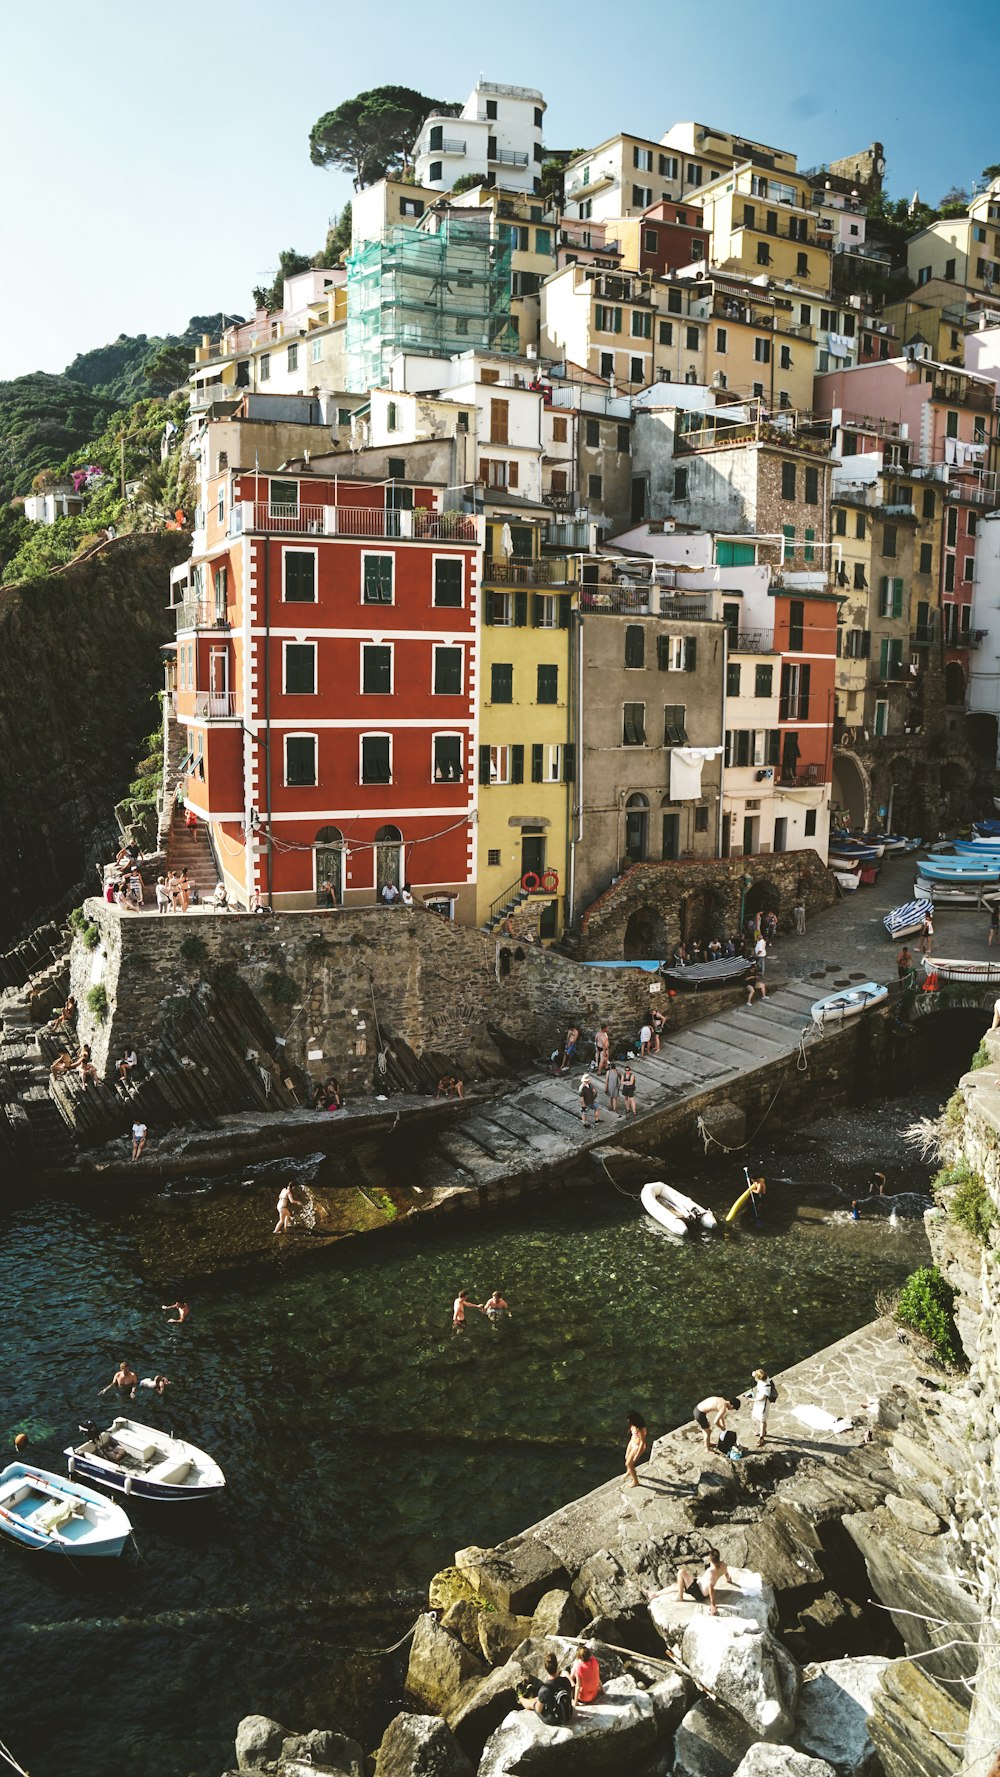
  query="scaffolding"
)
[{"x": 439, "y": 293}]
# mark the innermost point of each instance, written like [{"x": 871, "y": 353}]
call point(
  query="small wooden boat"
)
[
  {"x": 961, "y": 870},
  {"x": 675, "y": 1212},
  {"x": 852, "y": 851},
  {"x": 986, "y": 828},
  {"x": 871, "y": 841},
  {"x": 836, "y": 1008},
  {"x": 955, "y": 894},
  {"x": 987, "y": 847},
  {"x": 953, "y": 969},
  {"x": 145, "y": 1463},
  {"x": 891, "y": 843},
  {"x": 907, "y": 921},
  {"x": 43, "y": 1512}
]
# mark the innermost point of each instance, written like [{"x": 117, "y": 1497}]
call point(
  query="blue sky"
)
[{"x": 156, "y": 157}]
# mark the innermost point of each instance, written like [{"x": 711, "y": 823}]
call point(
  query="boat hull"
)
[
  {"x": 836, "y": 1008},
  {"x": 948, "y": 968},
  {"x": 956, "y": 894},
  {"x": 988, "y": 875},
  {"x": 156, "y": 1466},
  {"x": 907, "y": 921},
  {"x": 680, "y": 1215},
  {"x": 49, "y": 1515}
]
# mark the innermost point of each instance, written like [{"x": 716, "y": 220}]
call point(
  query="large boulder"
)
[
  {"x": 782, "y": 1761},
  {"x": 747, "y": 1669},
  {"x": 482, "y": 1707},
  {"x": 515, "y": 1576},
  {"x": 753, "y": 1603},
  {"x": 835, "y": 1703},
  {"x": 614, "y": 1602},
  {"x": 258, "y": 1742},
  {"x": 556, "y": 1613},
  {"x": 452, "y": 1585},
  {"x": 420, "y": 1746},
  {"x": 919, "y": 1728},
  {"x": 462, "y": 1619},
  {"x": 500, "y": 1633},
  {"x": 605, "y": 1738},
  {"x": 670, "y": 1697},
  {"x": 322, "y": 1749},
  {"x": 710, "y": 1741},
  {"x": 915, "y": 1571},
  {"x": 439, "y": 1666}
]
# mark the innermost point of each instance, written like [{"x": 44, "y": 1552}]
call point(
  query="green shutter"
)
[
  {"x": 690, "y": 653},
  {"x": 520, "y": 609},
  {"x": 663, "y": 652},
  {"x": 484, "y": 765},
  {"x": 564, "y": 605},
  {"x": 488, "y": 616},
  {"x": 883, "y": 659},
  {"x": 897, "y": 598},
  {"x": 517, "y": 765},
  {"x": 536, "y": 610},
  {"x": 536, "y": 763},
  {"x": 569, "y": 764}
]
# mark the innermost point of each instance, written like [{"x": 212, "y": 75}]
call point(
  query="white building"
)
[
  {"x": 58, "y": 502},
  {"x": 495, "y": 400},
  {"x": 496, "y": 137},
  {"x": 291, "y": 351},
  {"x": 983, "y": 696}
]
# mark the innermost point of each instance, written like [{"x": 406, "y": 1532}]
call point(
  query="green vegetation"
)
[
  {"x": 980, "y": 1059},
  {"x": 971, "y": 1205},
  {"x": 280, "y": 988},
  {"x": 97, "y": 1002},
  {"x": 194, "y": 951},
  {"x": 927, "y": 1304},
  {"x": 88, "y": 932},
  {"x": 371, "y": 135},
  {"x": 954, "y": 1111}
]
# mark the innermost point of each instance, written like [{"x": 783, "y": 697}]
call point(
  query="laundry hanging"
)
[{"x": 685, "y": 771}]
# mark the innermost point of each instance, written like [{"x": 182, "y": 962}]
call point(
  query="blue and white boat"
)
[
  {"x": 907, "y": 921},
  {"x": 835, "y": 1008},
  {"x": 986, "y": 829},
  {"x": 958, "y": 870},
  {"x": 851, "y": 851},
  {"x": 144, "y": 1463},
  {"x": 870, "y": 841},
  {"x": 988, "y": 846},
  {"x": 955, "y": 893},
  {"x": 43, "y": 1512}
]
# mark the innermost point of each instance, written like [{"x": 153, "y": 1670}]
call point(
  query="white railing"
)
[
  {"x": 355, "y": 521},
  {"x": 209, "y": 705}
]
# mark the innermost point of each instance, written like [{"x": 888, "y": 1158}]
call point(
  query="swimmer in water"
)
[
  {"x": 124, "y": 1379},
  {"x": 182, "y": 1312},
  {"x": 460, "y": 1304},
  {"x": 495, "y": 1309},
  {"x": 287, "y": 1201},
  {"x": 158, "y": 1384}
]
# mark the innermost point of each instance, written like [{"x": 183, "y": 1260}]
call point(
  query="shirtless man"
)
[
  {"x": 602, "y": 1050},
  {"x": 495, "y": 1309},
  {"x": 124, "y": 1379},
  {"x": 710, "y": 1415},
  {"x": 182, "y": 1312},
  {"x": 287, "y": 1201},
  {"x": 638, "y": 1437},
  {"x": 458, "y": 1307},
  {"x": 704, "y": 1586}
]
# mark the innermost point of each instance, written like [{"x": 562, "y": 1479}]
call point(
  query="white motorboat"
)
[
  {"x": 950, "y": 968},
  {"x": 675, "y": 1212},
  {"x": 955, "y": 894},
  {"x": 836, "y": 1008},
  {"x": 43, "y": 1512},
  {"x": 145, "y": 1463}
]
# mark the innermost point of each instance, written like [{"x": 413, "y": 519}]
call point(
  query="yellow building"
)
[
  {"x": 961, "y": 249},
  {"x": 630, "y": 326},
  {"x": 763, "y": 223},
  {"x": 384, "y": 204},
  {"x": 526, "y": 757},
  {"x": 755, "y": 344},
  {"x": 529, "y": 227},
  {"x": 936, "y": 314}
]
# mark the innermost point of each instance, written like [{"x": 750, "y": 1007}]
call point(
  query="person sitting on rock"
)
[
  {"x": 697, "y": 1590},
  {"x": 586, "y": 1675},
  {"x": 552, "y": 1697}
]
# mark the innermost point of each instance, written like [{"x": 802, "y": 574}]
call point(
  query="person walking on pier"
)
[
  {"x": 638, "y": 1437},
  {"x": 927, "y": 935},
  {"x": 588, "y": 1100},
  {"x": 764, "y": 1393}
]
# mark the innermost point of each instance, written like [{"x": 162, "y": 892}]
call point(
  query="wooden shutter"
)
[
  {"x": 690, "y": 653},
  {"x": 484, "y": 765},
  {"x": 520, "y": 609},
  {"x": 563, "y": 604},
  {"x": 517, "y": 765},
  {"x": 569, "y": 764},
  {"x": 663, "y": 653},
  {"x": 536, "y": 764},
  {"x": 488, "y": 616},
  {"x": 512, "y": 474}
]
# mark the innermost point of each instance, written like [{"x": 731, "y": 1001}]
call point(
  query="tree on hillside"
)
[
  {"x": 991, "y": 172},
  {"x": 168, "y": 368},
  {"x": 372, "y": 134},
  {"x": 271, "y": 296},
  {"x": 893, "y": 220},
  {"x": 338, "y": 240},
  {"x": 955, "y": 201}
]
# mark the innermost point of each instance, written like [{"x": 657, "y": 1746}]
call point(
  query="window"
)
[
  {"x": 606, "y": 318},
  {"x": 969, "y": 565},
  {"x": 695, "y": 173},
  {"x": 447, "y": 759},
  {"x": 674, "y": 724},
  {"x": 559, "y": 483},
  {"x": 633, "y": 725},
  {"x": 802, "y": 265},
  {"x": 548, "y": 685},
  {"x": 889, "y": 539},
  {"x": 675, "y": 302},
  {"x": 293, "y": 357},
  {"x": 299, "y": 569},
  {"x": 810, "y": 823},
  {"x": 890, "y": 597},
  {"x": 949, "y": 573},
  {"x": 650, "y": 240},
  {"x": 788, "y": 532},
  {"x": 859, "y": 576},
  {"x": 794, "y": 696},
  {"x": 264, "y": 367},
  {"x": 668, "y": 166},
  {"x": 543, "y": 240},
  {"x": 376, "y": 759},
  {"x": 809, "y": 553},
  {"x": 951, "y": 532},
  {"x": 594, "y": 487},
  {"x": 971, "y": 523},
  {"x": 840, "y": 521},
  {"x": 434, "y": 172},
  {"x": 396, "y": 471},
  {"x": 796, "y": 625},
  {"x": 749, "y": 216},
  {"x": 951, "y": 424},
  {"x": 721, "y": 338},
  {"x": 642, "y": 196},
  {"x": 890, "y": 659},
  {"x": 635, "y": 645},
  {"x": 300, "y": 759},
  {"x": 498, "y": 421},
  {"x": 926, "y": 558},
  {"x": 447, "y": 672},
  {"x": 593, "y": 434},
  {"x": 642, "y": 159},
  {"x": 550, "y": 611},
  {"x": 636, "y": 370},
  {"x": 701, "y": 819},
  {"x": 881, "y": 707},
  {"x": 763, "y": 680},
  {"x": 492, "y": 858},
  {"x": 607, "y": 364},
  {"x": 315, "y": 351},
  {"x": 763, "y": 253},
  {"x": 624, "y": 440},
  {"x": 343, "y": 416},
  {"x": 677, "y": 654},
  {"x": 538, "y": 117},
  {"x": 812, "y": 487},
  {"x": 788, "y": 481},
  {"x": 733, "y": 678},
  {"x": 300, "y": 668},
  {"x": 495, "y": 765},
  {"x": 642, "y": 324},
  {"x": 501, "y": 682},
  {"x": 448, "y": 581},
  {"x": 585, "y": 210},
  {"x": 860, "y": 524},
  {"x": 680, "y": 484},
  {"x": 376, "y": 572},
  {"x": 762, "y": 351},
  {"x": 411, "y": 206},
  {"x": 376, "y": 669}
]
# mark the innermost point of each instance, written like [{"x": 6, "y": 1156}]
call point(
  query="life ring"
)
[
  {"x": 550, "y": 881},
  {"x": 530, "y": 882}
]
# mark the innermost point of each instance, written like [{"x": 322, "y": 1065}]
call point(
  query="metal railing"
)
[
  {"x": 195, "y": 613},
  {"x": 507, "y": 157},
  {"x": 214, "y": 705},
  {"x": 512, "y": 898},
  {"x": 751, "y": 641},
  {"x": 356, "y": 521},
  {"x": 447, "y": 145},
  {"x": 505, "y": 572},
  {"x": 922, "y": 636}
]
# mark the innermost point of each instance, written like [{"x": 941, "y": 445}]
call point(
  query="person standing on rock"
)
[
  {"x": 799, "y": 914},
  {"x": 287, "y": 1201},
  {"x": 613, "y": 1085},
  {"x": 628, "y": 1090},
  {"x": 904, "y": 962},
  {"x": 602, "y": 1050},
  {"x": 139, "y": 1134},
  {"x": 658, "y": 1022},
  {"x": 710, "y": 1415},
  {"x": 638, "y": 1438}
]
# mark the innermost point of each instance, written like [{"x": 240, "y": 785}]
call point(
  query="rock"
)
[
  {"x": 710, "y": 1741},
  {"x": 670, "y": 1697},
  {"x": 258, "y": 1742},
  {"x": 462, "y": 1619},
  {"x": 439, "y": 1666},
  {"x": 756, "y": 1604},
  {"x": 917, "y": 1573},
  {"x": 500, "y": 1633},
  {"x": 602, "y": 1740},
  {"x": 918, "y": 1727},
  {"x": 782, "y": 1761},
  {"x": 914, "y": 1516},
  {"x": 747, "y": 1670},
  {"x": 482, "y": 1707},
  {"x": 835, "y": 1702},
  {"x": 556, "y": 1613},
  {"x": 325, "y": 1750},
  {"x": 451, "y": 1586},
  {"x": 615, "y": 1602},
  {"x": 420, "y": 1746},
  {"x": 824, "y": 1629},
  {"x": 515, "y": 1576}
]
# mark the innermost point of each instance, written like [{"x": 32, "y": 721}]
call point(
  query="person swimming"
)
[{"x": 495, "y": 1309}]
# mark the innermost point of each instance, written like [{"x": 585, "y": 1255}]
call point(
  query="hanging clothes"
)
[{"x": 686, "y": 764}]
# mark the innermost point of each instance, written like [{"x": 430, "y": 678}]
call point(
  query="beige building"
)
[
  {"x": 627, "y": 327},
  {"x": 961, "y": 249},
  {"x": 389, "y": 201},
  {"x": 625, "y": 174},
  {"x": 764, "y": 222}
]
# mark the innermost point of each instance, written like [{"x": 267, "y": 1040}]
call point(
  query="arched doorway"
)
[
  {"x": 849, "y": 791},
  {"x": 954, "y": 685},
  {"x": 388, "y": 858},
  {"x": 645, "y": 935},
  {"x": 330, "y": 864},
  {"x": 637, "y": 828},
  {"x": 703, "y": 916},
  {"x": 761, "y": 897}
]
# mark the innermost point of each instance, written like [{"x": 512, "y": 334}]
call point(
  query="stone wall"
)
[
  {"x": 649, "y": 909},
  {"x": 932, "y": 779}
]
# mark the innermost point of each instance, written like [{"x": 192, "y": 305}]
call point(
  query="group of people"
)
[
  {"x": 396, "y": 897},
  {"x": 495, "y": 1310},
  {"x": 327, "y": 1096},
  {"x": 710, "y": 1414},
  {"x": 619, "y": 1087},
  {"x": 175, "y": 893}
]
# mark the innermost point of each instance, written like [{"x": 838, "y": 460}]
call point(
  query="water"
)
[{"x": 363, "y": 1442}]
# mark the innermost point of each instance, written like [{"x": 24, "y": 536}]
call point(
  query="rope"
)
[
  {"x": 802, "y": 1067},
  {"x": 382, "y": 1059},
  {"x": 11, "y": 1760},
  {"x": 631, "y": 1195}
]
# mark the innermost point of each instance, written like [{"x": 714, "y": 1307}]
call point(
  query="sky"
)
[{"x": 156, "y": 158}]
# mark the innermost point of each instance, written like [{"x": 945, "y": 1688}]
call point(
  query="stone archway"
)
[
  {"x": 703, "y": 915},
  {"x": 645, "y": 936},
  {"x": 850, "y": 790},
  {"x": 763, "y": 896}
]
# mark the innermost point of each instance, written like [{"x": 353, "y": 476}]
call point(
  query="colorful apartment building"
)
[
  {"x": 761, "y": 221},
  {"x": 296, "y": 349},
  {"x": 626, "y": 327},
  {"x": 496, "y": 136},
  {"x": 327, "y": 678},
  {"x": 961, "y": 250},
  {"x": 667, "y": 237}
]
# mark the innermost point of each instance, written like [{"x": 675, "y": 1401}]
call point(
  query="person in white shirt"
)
[
  {"x": 139, "y": 1133},
  {"x": 760, "y": 954}
]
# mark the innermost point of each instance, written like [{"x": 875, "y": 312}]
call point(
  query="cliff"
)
[{"x": 80, "y": 669}]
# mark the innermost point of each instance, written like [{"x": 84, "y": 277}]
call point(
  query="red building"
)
[
  {"x": 326, "y": 676},
  {"x": 670, "y": 236},
  {"x": 805, "y": 635}
]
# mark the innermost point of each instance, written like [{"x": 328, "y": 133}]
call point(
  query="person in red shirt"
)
[{"x": 586, "y": 1675}]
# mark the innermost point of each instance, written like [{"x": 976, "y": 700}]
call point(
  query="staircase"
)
[
  {"x": 506, "y": 904},
  {"x": 190, "y": 849}
]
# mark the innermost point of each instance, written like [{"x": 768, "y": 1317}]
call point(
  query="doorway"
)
[
  {"x": 533, "y": 854},
  {"x": 638, "y": 507},
  {"x": 751, "y": 830},
  {"x": 330, "y": 862},
  {"x": 637, "y": 829},
  {"x": 388, "y": 858},
  {"x": 671, "y": 834},
  {"x": 780, "y": 833}
]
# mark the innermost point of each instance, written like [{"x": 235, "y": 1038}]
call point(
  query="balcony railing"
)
[
  {"x": 195, "y": 613},
  {"x": 751, "y": 641},
  {"x": 641, "y": 600},
  {"x": 507, "y": 157},
  {"x": 353, "y": 521},
  {"x": 214, "y": 705},
  {"x": 448, "y": 145},
  {"x": 504, "y": 572}
]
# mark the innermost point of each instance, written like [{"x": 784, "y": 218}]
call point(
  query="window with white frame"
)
[
  {"x": 547, "y": 610},
  {"x": 264, "y": 367},
  {"x": 377, "y": 579},
  {"x": 502, "y": 605},
  {"x": 315, "y": 351},
  {"x": 448, "y": 581},
  {"x": 293, "y": 356},
  {"x": 499, "y": 765},
  {"x": 447, "y": 761},
  {"x": 300, "y": 669},
  {"x": 376, "y": 669},
  {"x": 300, "y": 760},
  {"x": 676, "y": 654},
  {"x": 376, "y": 759},
  {"x": 298, "y": 573}
]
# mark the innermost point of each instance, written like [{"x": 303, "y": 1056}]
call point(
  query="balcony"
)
[
  {"x": 418, "y": 524},
  {"x": 923, "y": 636},
  {"x": 639, "y": 599},
  {"x": 511, "y": 572},
  {"x": 214, "y": 706},
  {"x": 193, "y": 613},
  {"x": 506, "y": 157},
  {"x": 447, "y": 145},
  {"x": 751, "y": 641}
]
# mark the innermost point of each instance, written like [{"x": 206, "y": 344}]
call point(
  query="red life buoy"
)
[
  {"x": 530, "y": 882},
  {"x": 550, "y": 881}
]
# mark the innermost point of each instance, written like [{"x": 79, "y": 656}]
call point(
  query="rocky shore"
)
[{"x": 825, "y": 1664}]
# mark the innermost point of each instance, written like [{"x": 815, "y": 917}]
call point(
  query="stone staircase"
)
[{"x": 190, "y": 849}]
